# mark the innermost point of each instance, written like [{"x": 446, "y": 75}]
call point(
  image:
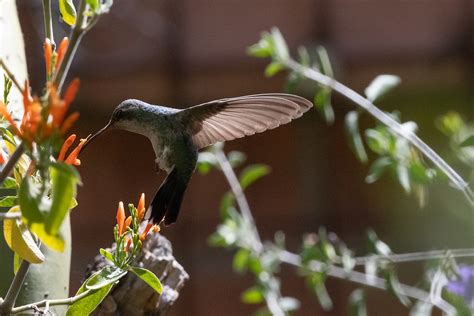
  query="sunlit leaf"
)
[
  {"x": 107, "y": 255},
  {"x": 322, "y": 102},
  {"x": 94, "y": 4},
  {"x": 377, "y": 168},
  {"x": 404, "y": 177},
  {"x": 7, "y": 201},
  {"x": 68, "y": 11},
  {"x": 273, "y": 68},
  {"x": 252, "y": 295},
  {"x": 352, "y": 129},
  {"x": 9, "y": 183},
  {"x": 87, "y": 304},
  {"x": 281, "y": 48},
  {"x": 30, "y": 201},
  {"x": 324, "y": 61},
  {"x": 16, "y": 262},
  {"x": 289, "y": 304},
  {"x": 19, "y": 239},
  {"x": 264, "y": 48},
  {"x": 357, "y": 303},
  {"x": 380, "y": 86},
  {"x": 63, "y": 180},
  {"x": 53, "y": 241},
  {"x": 252, "y": 173},
  {"x": 241, "y": 259},
  {"x": 395, "y": 287},
  {"x": 421, "y": 308},
  {"x": 467, "y": 142},
  {"x": 105, "y": 276},
  {"x": 149, "y": 278},
  {"x": 378, "y": 246}
]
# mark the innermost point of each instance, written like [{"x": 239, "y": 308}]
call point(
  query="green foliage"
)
[
  {"x": 148, "y": 277},
  {"x": 68, "y": 11},
  {"x": 355, "y": 140},
  {"x": 357, "y": 303},
  {"x": 7, "y": 85},
  {"x": 253, "y": 173},
  {"x": 87, "y": 304},
  {"x": 380, "y": 86}
]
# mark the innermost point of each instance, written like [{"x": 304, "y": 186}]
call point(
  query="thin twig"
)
[
  {"x": 11, "y": 162},
  {"x": 238, "y": 193},
  {"x": 77, "y": 31},
  {"x": 15, "y": 287},
  {"x": 10, "y": 75},
  {"x": 48, "y": 21},
  {"x": 419, "y": 256},
  {"x": 387, "y": 120},
  {"x": 362, "y": 278},
  {"x": 56, "y": 302}
]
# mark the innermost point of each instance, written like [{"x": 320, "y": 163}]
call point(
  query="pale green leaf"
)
[
  {"x": 352, "y": 129},
  {"x": 380, "y": 86},
  {"x": 68, "y": 11},
  {"x": 149, "y": 278},
  {"x": 253, "y": 173},
  {"x": 105, "y": 276},
  {"x": 252, "y": 295}
]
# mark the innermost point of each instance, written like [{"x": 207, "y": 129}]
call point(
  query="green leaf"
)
[
  {"x": 264, "y": 48},
  {"x": 468, "y": 142},
  {"x": 323, "y": 57},
  {"x": 252, "y": 295},
  {"x": 377, "y": 168},
  {"x": 403, "y": 176},
  {"x": 377, "y": 141},
  {"x": 105, "y": 276},
  {"x": 7, "y": 201},
  {"x": 107, "y": 255},
  {"x": 352, "y": 129},
  {"x": 9, "y": 183},
  {"x": 29, "y": 200},
  {"x": 94, "y": 4},
  {"x": 68, "y": 12},
  {"x": 357, "y": 303},
  {"x": 241, "y": 259},
  {"x": 16, "y": 262},
  {"x": 421, "y": 308},
  {"x": 281, "y": 48},
  {"x": 63, "y": 179},
  {"x": 380, "y": 86},
  {"x": 273, "y": 68},
  {"x": 322, "y": 102},
  {"x": 227, "y": 202},
  {"x": 87, "y": 304},
  {"x": 53, "y": 241},
  {"x": 252, "y": 173},
  {"x": 378, "y": 246},
  {"x": 149, "y": 278},
  {"x": 458, "y": 302},
  {"x": 289, "y": 304}
]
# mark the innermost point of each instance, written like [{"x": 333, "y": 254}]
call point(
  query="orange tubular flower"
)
[
  {"x": 141, "y": 207},
  {"x": 69, "y": 121},
  {"x": 145, "y": 232},
  {"x": 6, "y": 114},
  {"x": 48, "y": 52},
  {"x": 2, "y": 158},
  {"x": 155, "y": 229},
  {"x": 129, "y": 243},
  {"x": 120, "y": 218},
  {"x": 72, "y": 158},
  {"x": 65, "y": 147},
  {"x": 128, "y": 221},
  {"x": 61, "y": 51}
]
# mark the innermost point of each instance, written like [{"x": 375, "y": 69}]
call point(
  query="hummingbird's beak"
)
[{"x": 89, "y": 139}]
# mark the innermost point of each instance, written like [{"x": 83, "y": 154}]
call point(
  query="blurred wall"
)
[{"x": 184, "y": 52}]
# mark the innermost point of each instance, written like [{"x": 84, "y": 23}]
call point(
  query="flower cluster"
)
[{"x": 129, "y": 232}]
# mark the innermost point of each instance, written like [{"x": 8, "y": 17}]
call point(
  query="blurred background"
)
[{"x": 183, "y": 52}]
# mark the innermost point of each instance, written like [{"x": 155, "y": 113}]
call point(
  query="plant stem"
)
[
  {"x": 48, "y": 21},
  {"x": 12, "y": 294},
  {"x": 11, "y": 162},
  {"x": 10, "y": 75},
  {"x": 64, "y": 301},
  {"x": 419, "y": 256},
  {"x": 371, "y": 281},
  {"x": 77, "y": 32},
  {"x": 385, "y": 119},
  {"x": 9, "y": 216},
  {"x": 239, "y": 195}
]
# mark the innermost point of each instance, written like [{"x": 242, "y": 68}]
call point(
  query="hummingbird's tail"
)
[{"x": 167, "y": 201}]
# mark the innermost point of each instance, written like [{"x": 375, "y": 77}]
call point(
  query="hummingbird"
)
[{"x": 178, "y": 134}]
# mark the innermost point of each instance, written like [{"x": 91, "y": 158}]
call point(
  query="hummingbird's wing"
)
[{"x": 232, "y": 118}]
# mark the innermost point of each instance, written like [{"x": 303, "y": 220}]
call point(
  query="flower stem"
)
[
  {"x": 11, "y": 162},
  {"x": 12, "y": 294},
  {"x": 56, "y": 302},
  {"x": 48, "y": 21}
]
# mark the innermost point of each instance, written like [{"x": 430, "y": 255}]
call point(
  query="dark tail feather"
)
[{"x": 167, "y": 200}]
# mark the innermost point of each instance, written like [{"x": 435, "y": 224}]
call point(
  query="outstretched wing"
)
[{"x": 232, "y": 118}]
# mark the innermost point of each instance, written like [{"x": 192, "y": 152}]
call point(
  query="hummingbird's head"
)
[{"x": 125, "y": 116}]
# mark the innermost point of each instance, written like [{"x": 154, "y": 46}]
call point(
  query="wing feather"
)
[{"x": 232, "y": 118}]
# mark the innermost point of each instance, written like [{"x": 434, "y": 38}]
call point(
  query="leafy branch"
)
[
  {"x": 273, "y": 45},
  {"x": 322, "y": 255}
]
